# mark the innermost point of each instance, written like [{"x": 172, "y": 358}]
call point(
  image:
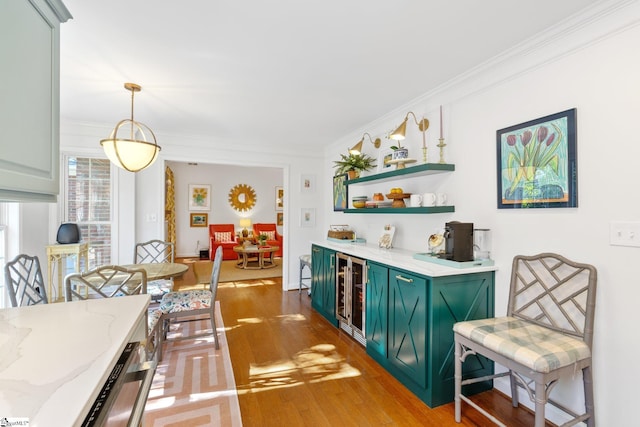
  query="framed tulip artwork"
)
[{"x": 537, "y": 163}]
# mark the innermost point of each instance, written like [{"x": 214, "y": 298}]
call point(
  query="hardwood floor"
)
[{"x": 293, "y": 368}]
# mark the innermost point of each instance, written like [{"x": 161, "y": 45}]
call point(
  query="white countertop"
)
[
  {"x": 400, "y": 258},
  {"x": 54, "y": 358}
]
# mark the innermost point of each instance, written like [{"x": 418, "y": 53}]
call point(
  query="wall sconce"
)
[
  {"x": 245, "y": 223},
  {"x": 131, "y": 152},
  {"x": 357, "y": 149},
  {"x": 423, "y": 125}
]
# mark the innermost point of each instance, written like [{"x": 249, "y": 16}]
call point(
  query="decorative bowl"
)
[{"x": 359, "y": 204}]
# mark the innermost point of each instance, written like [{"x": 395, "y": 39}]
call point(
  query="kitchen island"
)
[{"x": 54, "y": 358}]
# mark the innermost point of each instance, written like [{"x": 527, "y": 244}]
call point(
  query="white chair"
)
[
  {"x": 156, "y": 251},
  {"x": 191, "y": 303},
  {"x": 23, "y": 279},
  {"x": 546, "y": 335}
]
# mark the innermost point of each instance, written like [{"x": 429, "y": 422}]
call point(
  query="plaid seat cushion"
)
[{"x": 539, "y": 348}]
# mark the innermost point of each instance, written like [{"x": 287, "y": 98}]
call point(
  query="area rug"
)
[
  {"x": 194, "y": 383},
  {"x": 230, "y": 273}
]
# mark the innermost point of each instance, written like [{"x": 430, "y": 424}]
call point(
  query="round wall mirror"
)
[{"x": 242, "y": 197}]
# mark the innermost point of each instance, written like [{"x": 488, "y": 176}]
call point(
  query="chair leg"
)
[
  {"x": 588, "y": 396},
  {"x": 458, "y": 381},
  {"x": 215, "y": 330},
  {"x": 515, "y": 400},
  {"x": 540, "y": 401}
]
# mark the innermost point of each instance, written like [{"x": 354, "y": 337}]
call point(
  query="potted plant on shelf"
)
[
  {"x": 353, "y": 164},
  {"x": 399, "y": 152}
]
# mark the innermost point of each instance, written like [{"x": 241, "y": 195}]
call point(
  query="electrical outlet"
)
[{"x": 624, "y": 233}]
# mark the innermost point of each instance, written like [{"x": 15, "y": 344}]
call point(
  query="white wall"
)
[
  {"x": 221, "y": 178},
  {"x": 594, "y": 69}
]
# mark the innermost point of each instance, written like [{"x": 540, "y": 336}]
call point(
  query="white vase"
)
[{"x": 400, "y": 153}]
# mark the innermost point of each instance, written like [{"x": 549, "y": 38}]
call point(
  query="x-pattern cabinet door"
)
[{"x": 407, "y": 325}]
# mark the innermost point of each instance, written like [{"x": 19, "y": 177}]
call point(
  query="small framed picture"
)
[
  {"x": 198, "y": 219},
  {"x": 383, "y": 160},
  {"x": 307, "y": 217},
  {"x": 340, "y": 193},
  {"x": 279, "y": 218},
  {"x": 199, "y": 197},
  {"x": 279, "y": 198},
  {"x": 308, "y": 183}
]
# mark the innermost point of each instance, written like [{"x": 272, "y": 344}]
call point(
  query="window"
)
[{"x": 88, "y": 203}]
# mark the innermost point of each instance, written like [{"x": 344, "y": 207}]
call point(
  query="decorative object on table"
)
[
  {"x": 353, "y": 164},
  {"x": 340, "y": 193},
  {"x": 399, "y": 135},
  {"x": 340, "y": 232},
  {"x": 537, "y": 166},
  {"x": 400, "y": 163},
  {"x": 357, "y": 149},
  {"x": 279, "y": 198},
  {"x": 481, "y": 243},
  {"x": 436, "y": 243},
  {"x": 68, "y": 233},
  {"x": 397, "y": 195},
  {"x": 384, "y": 156},
  {"x": 198, "y": 219},
  {"x": 199, "y": 197},
  {"x": 127, "y": 151},
  {"x": 359, "y": 201},
  {"x": 308, "y": 183},
  {"x": 262, "y": 239},
  {"x": 280, "y": 218},
  {"x": 242, "y": 197},
  {"x": 245, "y": 223},
  {"x": 307, "y": 217},
  {"x": 386, "y": 238},
  {"x": 441, "y": 143}
]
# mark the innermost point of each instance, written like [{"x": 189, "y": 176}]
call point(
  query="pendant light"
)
[{"x": 129, "y": 146}]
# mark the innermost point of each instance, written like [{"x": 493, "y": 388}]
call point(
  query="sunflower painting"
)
[{"x": 199, "y": 197}]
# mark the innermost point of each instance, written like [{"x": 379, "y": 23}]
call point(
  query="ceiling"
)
[{"x": 278, "y": 73}]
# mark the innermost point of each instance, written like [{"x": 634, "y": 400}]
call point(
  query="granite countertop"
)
[
  {"x": 400, "y": 258},
  {"x": 54, "y": 358}
]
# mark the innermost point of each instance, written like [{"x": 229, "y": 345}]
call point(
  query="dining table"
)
[{"x": 160, "y": 270}]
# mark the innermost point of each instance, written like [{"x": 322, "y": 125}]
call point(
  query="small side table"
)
[{"x": 55, "y": 254}]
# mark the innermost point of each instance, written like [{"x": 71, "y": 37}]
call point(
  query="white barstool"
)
[{"x": 305, "y": 261}]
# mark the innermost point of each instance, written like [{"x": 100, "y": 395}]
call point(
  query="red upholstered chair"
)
[
  {"x": 274, "y": 238},
  {"x": 223, "y": 235}
]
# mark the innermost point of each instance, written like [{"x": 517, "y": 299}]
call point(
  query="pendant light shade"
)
[{"x": 131, "y": 145}]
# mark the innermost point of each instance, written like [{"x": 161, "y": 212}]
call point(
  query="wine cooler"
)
[{"x": 351, "y": 277}]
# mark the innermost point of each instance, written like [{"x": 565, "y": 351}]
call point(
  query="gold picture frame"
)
[
  {"x": 279, "y": 198},
  {"x": 279, "y": 218},
  {"x": 198, "y": 219}
]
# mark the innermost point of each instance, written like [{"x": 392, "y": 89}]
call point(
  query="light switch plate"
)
[{"x": 624, "y": 233}]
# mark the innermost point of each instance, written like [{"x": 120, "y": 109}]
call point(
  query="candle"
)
[{"x": 441, "y": 122}]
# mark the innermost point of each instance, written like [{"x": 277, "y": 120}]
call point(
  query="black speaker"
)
[{"x": 68, "y": 233}]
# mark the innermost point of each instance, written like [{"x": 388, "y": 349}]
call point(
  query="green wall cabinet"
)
[{"x": 323, "y": 282}]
